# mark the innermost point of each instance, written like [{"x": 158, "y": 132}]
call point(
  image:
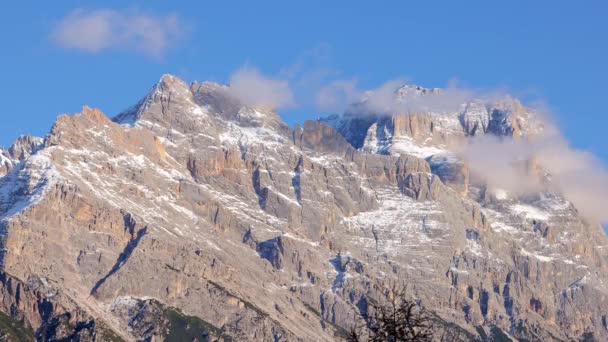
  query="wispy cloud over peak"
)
[
  {"x": 399, "y": 96},
  {"x": 253, "y": 88},
  {"x": 337, "y": 95},
  {"x": 96, "y": 30}
]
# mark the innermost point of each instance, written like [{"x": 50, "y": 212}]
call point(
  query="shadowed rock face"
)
[{"x": 192, "y": 210}]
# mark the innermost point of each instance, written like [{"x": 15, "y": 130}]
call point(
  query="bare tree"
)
[{"x": 397, "y": 320}]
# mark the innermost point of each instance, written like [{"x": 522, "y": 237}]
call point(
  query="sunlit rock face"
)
[{"x": 190, "y": 209}]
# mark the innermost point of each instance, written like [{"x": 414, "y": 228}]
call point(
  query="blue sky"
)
[{"x": 554, "y": 51}]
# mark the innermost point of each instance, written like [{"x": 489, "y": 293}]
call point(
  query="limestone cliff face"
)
[{"x": 190, "y": 209}]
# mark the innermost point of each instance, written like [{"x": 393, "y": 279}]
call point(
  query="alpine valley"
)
[{"x": 193, "y": 217}]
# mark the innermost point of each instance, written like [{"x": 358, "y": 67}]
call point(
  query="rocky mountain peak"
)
[
  {"x": 169, "y": 81},
  {"x": 169, "y": 90},
  {"x": 22, "y": 148},
  {"x": 173, "y": 108},
  {"x": 424, "y": 121},
  {"x": 400, "y": 91},
  {"x": 414, "y": 90},
  {"x": 170, "y": 86}
]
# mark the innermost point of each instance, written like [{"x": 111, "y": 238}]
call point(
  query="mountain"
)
[{"x": 192, "y": 216}]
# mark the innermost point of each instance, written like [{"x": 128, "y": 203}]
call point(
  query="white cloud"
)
[
  {"x": 511, "y": 164},
  {"x": 382, "y": 99},
  {"x": 398, "y": 96},
  {"x": 502, "y": 163},
  {"x": 101, "y": 29},
  {"x": 254, "y": 89},
  {"x": 337, "y": 95}
]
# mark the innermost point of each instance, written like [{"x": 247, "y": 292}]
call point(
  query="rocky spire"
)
[
  {"x": 23, "y": 147},
  {"x": 169, "y": 90}
]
